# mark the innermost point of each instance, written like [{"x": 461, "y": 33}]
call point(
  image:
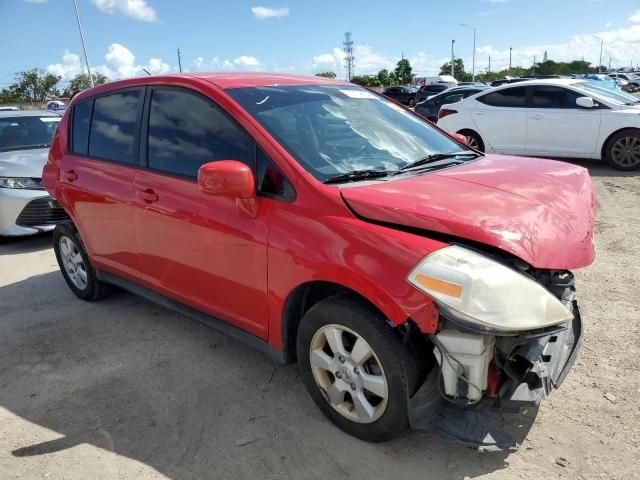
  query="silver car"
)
[{"x": 25, "y": 207}]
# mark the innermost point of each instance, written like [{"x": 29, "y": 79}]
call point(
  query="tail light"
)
[{"x": 444, "y": 112}]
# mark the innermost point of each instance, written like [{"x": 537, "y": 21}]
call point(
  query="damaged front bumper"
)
[{"x": 526, "y": 368}]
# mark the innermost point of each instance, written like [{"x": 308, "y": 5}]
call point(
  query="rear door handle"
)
[
  {"x": 71, "y": 175},
  {"x": 148, "y": 195}
]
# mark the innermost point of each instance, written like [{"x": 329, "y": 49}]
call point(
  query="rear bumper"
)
[{"x": 27, "y": 212}]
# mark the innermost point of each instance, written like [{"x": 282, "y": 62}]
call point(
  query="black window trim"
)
[
  {"x": 143, "y": 139},
  {"x": 527, "y": 97},
  {"x": 136, "y": 131}
]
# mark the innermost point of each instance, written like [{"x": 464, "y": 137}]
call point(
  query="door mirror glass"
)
[
  {"x": 586, "y": 102},
  {"x": 227, "y": 178}
]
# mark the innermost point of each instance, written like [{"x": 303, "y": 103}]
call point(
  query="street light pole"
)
[
  {"x": 510, "y": 49},
  {"x": 600, "y": 62},
  {"x": 452, "y": 59},
  {"x": 84, "y": 48},
  {"x": 473, "y": 64}
]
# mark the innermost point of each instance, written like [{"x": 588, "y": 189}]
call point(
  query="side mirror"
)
[
  {"x": 227, "y": 178},
  {"x": 459, "y": 137},
  {"x": 586, "y": 102}
]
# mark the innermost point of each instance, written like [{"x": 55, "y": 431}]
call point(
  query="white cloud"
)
[
  {"x": 366, "y": 60},
  {"x": 120, "y": 63},
  {"x": 635, "y": 17},
  {"x": 243, "y": 63},
  {"x": 262, "y": 13},
  {"x": 607, "y": 25},
  {"x": 136, "y": 9}
]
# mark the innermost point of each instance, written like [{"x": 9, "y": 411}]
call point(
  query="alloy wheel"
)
[
  {"x": 73, "y": 263},
  {"x": 472, "y": 142},
  {"x": 626, "y": 151},
  {"x": 348, "y": 373}
]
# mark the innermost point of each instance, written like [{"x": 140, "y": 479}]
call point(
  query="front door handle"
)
[
  {"x": 536, "y": 117},
  {"x": 71, "y": 175},
  {"x": 148, "y": 195}
]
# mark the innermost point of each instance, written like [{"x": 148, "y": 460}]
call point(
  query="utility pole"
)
[
  {"x": 473, "y": 64},
  {"x": 533, "y": 71},
  {"x": 348, "y": 55},
  {"x": 452, "y": 59},
  {"x": 510, "y": 49},
  {"x": 489, "y": 70},
  {"x": 600, "y": 62},
  {"x": 84, "y": 48},
  {"x": 179, "y": 61}
]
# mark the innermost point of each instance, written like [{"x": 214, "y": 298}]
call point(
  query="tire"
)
[
  {"x": 333, "y": 378},
  {"x": 74, "y": 264},
  {"x": 474, "y": 140},
  {"x": 412, "y": 102},
  {"x": 623, "y": 150}
]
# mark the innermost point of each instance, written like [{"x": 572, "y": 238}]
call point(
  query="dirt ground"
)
[{"x": 123, "y": 389}]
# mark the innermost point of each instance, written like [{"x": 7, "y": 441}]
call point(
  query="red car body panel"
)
[
  {"x": 241, "y": 259},
  {"x": 541, "y": 211}
]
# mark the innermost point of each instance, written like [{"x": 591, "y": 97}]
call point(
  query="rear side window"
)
[
  {"x": 187, "y": 130},
  {"x": 113, "y": 126},
  {"x": 509, "y": 97},
  {"x": 553, "y": 97},
  {"x": 80, "y": 127}
]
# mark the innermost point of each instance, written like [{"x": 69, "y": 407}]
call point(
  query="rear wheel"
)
[
  {"x": 74, "y": 264},
  {"x": 623, "y": 150},
  {"x": 412, "y": 102},
  {"x": 473, "y": 139},
  {"x": 356, "y": 369}
]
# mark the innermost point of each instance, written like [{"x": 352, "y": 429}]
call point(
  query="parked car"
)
[
  {"x": 322, "y": 223},
  {"x": 25, "y": 208},
  {"x": 406, "y": 95},
  {"x": 9, "y": 109},
  {"x": 432, "y": 89},
  {"x": 558, "y": 118},
  {"x": 633, "y": 80},
  {"x": 503, "y": 81},
  {"x": 603, "y": 81},
  {"x": 430, "y": 107}
]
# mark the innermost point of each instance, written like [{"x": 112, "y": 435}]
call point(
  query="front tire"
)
[
  {"x": 623, "y": 150},
  {"x": 474, "y": 140},
  {"x": 412, "y": 103},
  {"x": 356, "y": 368},
  {"x": 74, "y": 264}
]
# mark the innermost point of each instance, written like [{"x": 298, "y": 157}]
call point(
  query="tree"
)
[
  {"x": 81, "y": 82},
  {"x": 366, "y": 80},
  {"x": 326, "y": 74},
  {"x": 458, "y": 70},
  {"x": 403, "y": 71},
  {"x": 35, "y": 85},
  {"x": 386, "y": 78}
]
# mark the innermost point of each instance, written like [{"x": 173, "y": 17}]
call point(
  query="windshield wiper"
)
[
  {"x": 356, "y": 175},
  {"x": 436, "y": 157}
]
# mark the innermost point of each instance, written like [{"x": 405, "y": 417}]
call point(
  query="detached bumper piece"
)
[{"x": 41, "y": 212}]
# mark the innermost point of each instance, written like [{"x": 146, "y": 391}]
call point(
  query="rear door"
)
[
  {"x": 556, "y": 125},
  {"x": 205, "y": 251},
  {"x": 501, "y": 119},
  {"x": 96, "y": 177}
]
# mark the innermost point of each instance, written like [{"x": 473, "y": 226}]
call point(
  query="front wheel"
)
[
  {"x": 473, "y": 139},
  {"x": 412, "y": 102},
  {"x": 356, "y": 368},
  {"x": 623, "y": 150}
]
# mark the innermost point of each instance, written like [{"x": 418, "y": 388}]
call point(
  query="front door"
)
[
  {"x": 207, "y": 252},
  {"x": 501, "y": 119}
]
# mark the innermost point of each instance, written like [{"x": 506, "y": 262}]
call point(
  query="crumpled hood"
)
[
  {"x": 23, "y": 163},
  {"x": 541, "y": 211}
]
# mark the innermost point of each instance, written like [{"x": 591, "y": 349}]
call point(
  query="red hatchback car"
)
[{"x": 403, "y": 271}]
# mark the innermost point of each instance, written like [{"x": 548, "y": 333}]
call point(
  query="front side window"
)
[
  {"x": 25, "y": 133},
  {"x": 331, "y": 130},
  {"x": 187, "y": 130},
  {"x": 617, "y": 97},
  {"x": 548, "y": 96},
  {"x": 508, "y": 97},
  {"x": 113, "y": 126}
]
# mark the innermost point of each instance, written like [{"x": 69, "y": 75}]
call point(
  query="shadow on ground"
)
[
  {"x": 17, "y": 245},
  {"x": 135, "y": 379}
]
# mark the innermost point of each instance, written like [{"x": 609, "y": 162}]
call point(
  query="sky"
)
[{"x": 302, "y": 36}]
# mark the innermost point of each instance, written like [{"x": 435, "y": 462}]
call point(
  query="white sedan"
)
[{"x": 551, "y": 118}]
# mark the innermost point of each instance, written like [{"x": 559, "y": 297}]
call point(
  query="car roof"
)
[
  {"x": 29, "y": 113},
  {"x": 542, "y": 81}
]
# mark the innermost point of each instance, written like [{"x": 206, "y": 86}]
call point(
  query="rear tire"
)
[
  {"x": 623, "y": 150},
  {"x": 356, "y": 368},
  {"x": 74, "y": 264},
  {"x": 474, "y": 140}
]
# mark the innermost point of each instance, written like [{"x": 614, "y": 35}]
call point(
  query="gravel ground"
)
[{"x": 124, "y": 389}]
